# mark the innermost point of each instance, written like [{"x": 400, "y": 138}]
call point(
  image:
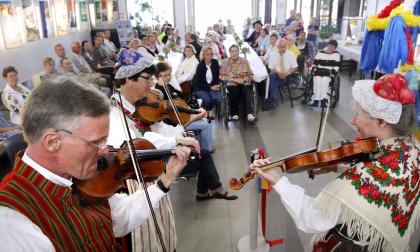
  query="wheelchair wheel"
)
[
  {"x": 297, "y": 84},
  {"x": 224, "y": 105},
  {"x": 335, "y": 93}
]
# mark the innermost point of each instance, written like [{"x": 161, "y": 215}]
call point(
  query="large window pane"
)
[
  {"x": 208, "y": 13},
  {"x": 10, "y": 24},
  {"x": 150, "y": 12}
]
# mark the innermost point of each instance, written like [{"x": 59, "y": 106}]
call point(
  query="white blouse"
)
[
  {"x": 14, "y": 101},
  {"x": 186, "y": 69}
]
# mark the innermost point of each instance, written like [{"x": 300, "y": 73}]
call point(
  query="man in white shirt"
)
[
  {"x": 281, "y": 65},
  {"x": 109, "y": 46},
  {"x": 65, "y": 142}
]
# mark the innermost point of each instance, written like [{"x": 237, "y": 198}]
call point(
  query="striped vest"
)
[{"x": 57, "y": 212}]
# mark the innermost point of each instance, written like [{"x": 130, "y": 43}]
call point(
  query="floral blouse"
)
[
  {"x": 14, "y": 101},
  {"x": 239, "y": 68}
]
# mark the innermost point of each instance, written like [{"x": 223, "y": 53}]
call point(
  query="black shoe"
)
[
  {"x": 314, "y": 103},
  {"x": 267, "y": 105}
]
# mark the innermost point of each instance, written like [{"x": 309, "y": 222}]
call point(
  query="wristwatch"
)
[{"x": 162, "y": 186}]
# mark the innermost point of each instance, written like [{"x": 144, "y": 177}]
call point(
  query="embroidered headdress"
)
[{"x": 131, "y": 62}]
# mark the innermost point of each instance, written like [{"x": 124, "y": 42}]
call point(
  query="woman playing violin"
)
[
  {"x": 372, "y": 205},
  {"x": 135, "y": 80}
]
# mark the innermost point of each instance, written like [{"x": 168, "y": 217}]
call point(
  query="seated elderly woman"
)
[
  {"x": 206, "y": 79},
  {"x": 186, "y": 69},
  {"x": 238, "y": 75},
  {"x": 14, "y": 94}
]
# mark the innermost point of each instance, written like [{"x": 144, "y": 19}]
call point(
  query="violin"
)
[
  {"x": 312, "y": 159},
  {"x": 116, "y": 167},
  {"x": 151, "y": 109}
]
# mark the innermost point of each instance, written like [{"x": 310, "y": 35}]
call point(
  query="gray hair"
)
[
  {"x": 59, "y": 104},
  {"x": 135, "y": 41},
  {"x": 407, "y": 121}
]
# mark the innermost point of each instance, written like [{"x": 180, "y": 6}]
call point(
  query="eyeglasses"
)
[
  {"x": 148, "y": 78},
  {"x": 99, "y": 147}
]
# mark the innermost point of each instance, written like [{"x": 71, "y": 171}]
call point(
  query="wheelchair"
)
[
  {"x": 294, "y": 87},
  {"x": 334, "y": 89},
  {"x": 224, "y": 106}
]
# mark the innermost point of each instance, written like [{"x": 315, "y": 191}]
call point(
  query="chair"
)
[
  {"x": 189, "y": 174},
  {"x": 294, "y": 87},
  {"x": 12, "y": 146}
]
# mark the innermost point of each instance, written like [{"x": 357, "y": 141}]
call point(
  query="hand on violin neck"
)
[
  {"x": 269, "y": 174},
  {"x": 189, "y": 142},
  {"x": 175, "y": 165}
]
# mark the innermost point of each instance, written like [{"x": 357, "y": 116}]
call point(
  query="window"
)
[{"x": 208, "y": 13}]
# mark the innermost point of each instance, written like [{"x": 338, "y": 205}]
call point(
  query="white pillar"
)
[
  {"x": 191, "y": 14},
  {"x": 255, "y": 8},
  {"x": 179, "y": 16},
  {"x": 281, "y": 12}
]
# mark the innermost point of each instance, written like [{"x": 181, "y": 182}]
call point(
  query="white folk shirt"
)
[
  {"x": 18, "y": 233},
  {"x": 186, "y": 69},
  {"x": 289, "y": 61},
  {"x": 162, "y": 136},
  {"x": 300, "y": 207}
]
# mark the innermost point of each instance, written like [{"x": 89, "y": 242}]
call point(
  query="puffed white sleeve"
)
[
  {"x": 130, "y": 211},
  {"x": 300, "y": 207},
  {"x": 18, "y": 233}
]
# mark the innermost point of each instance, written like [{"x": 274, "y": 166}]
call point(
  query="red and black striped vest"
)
[{"x": 57, "y": 212}]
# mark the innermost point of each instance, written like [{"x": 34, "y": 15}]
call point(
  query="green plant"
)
[{"x": 326, "y": 31}]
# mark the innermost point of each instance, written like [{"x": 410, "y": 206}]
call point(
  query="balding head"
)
[
  {"x": 76, "y": 47},
  {"x": 282, "y": 45}
]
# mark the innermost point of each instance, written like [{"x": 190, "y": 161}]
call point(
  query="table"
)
[
  {"x": 255, "y": 63},
  {"x": 349, "y": 51}
]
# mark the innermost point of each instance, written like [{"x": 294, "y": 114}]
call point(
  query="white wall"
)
[{"x": 28, "y": 59}]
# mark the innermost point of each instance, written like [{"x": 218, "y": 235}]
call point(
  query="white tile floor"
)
[{"x": 284, "y": 131}]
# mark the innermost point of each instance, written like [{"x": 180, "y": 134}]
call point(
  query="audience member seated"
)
[
  {"x": 82, "y": 67},
  {"x": 272, "y": 48},
  {"x": 194, "y": 42},
  {"x": 291, "y": 31},
  {"x": 49, "y": 69},
  {"x": 253, "y": 38},
  {"x": 206, "y": 79},
  {"x": 214, "y": 42},
  {"x": 111, "y": 54},
  {"x": 8, "y": 129},
  {"x": 303, "y": 46},
  {"x": 60, "y": 53},
  {"x": 263, "y": 42},
  {"x": 168, "y": 34},
  {"x": 87, "y": 55},
  {"x": 152, "y": 44},
  {"x": 109, "y": 46},
  {"x": 230, "y": 29},
  {"x": 186, "y": 70},
  {"x": 238, "y": 75},
  {"x": 291, "y": 46},
  {"x": 197, "y": 122},
  {"x": 99, "y": 54},
  {"x": 14, "y": 94},
  {"x": 326, "y": 65},
  {"x": 143, "y": 47},
  {"x": 280, "y": 65}
]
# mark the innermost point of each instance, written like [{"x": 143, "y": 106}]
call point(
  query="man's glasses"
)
[
  {"x": 99, "y": 147},
  {"x": 148, "y": 78}
]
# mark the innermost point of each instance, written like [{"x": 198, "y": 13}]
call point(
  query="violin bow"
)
[
  {"x": 139, "y": 174},
  {"x": 170, "y": 99}
]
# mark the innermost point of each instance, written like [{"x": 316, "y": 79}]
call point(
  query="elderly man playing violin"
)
[
  {"x": 39, "y": 208},
  {"x": 372, "y": 205},
  {"x": 135, "y": 77}
]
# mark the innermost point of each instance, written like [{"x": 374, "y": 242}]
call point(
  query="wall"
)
[{"x": 28, "y": 59}]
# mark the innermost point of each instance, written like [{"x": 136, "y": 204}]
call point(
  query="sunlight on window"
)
[{"x": 208, "y": 13}]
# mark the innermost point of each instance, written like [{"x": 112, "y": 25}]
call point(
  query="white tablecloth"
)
[
  {"x": 255, "y": 63},
  {"x": 349, "y": 51}
]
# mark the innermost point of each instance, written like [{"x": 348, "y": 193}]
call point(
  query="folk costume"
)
[{"x": 372, "y": 205}]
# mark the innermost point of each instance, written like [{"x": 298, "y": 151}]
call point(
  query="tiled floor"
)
[{"x": 220, "y": 224}]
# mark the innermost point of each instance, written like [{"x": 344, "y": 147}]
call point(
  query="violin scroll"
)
[{"x": 237, "y": 184}]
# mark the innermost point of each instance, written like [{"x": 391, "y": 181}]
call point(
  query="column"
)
[
  {"x": 268, "y": 6},
  {"x": 255, "y": 9},
  {"x": 281, "y": 12},
  {"x": 191, "y": 14},
  {"x": 179, "y": 16}
]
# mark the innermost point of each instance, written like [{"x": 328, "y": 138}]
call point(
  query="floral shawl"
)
[{"x": 378, "y": 199}]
